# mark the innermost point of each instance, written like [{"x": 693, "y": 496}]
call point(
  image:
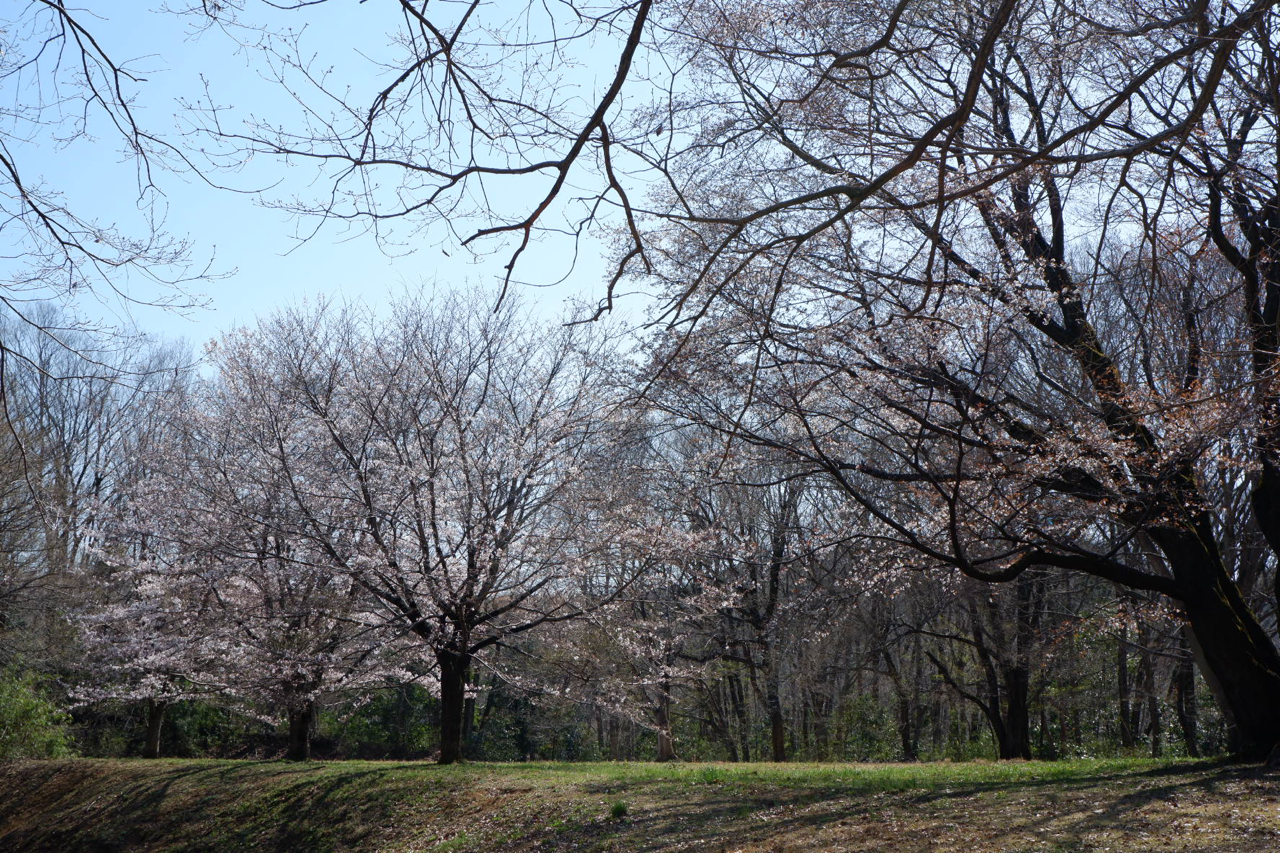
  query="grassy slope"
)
[{"x": 90, "y": 806}]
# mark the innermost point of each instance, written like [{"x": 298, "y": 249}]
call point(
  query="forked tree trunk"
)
[
  {"x": 155, "y": 723},
  {"x": 300, "y": 720},
  {"x": 453, "y": 690}
]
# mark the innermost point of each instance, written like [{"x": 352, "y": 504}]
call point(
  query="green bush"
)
[
  {"x": 865, "y": 731},
  {"x": 31, "y": 726},
  {"x": 399, "y": 724}
]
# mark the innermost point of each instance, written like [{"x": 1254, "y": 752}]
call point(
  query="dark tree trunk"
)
[
  {"x": 1234, "y": 651},
  {"x": 805, "y": 715},
  {"x": 738, "y": 698},
  {"x": 1016, "y": 742},
  {"x": 453, "y": 690},
  {"x": 905, "y": 730},
  {"x": 300, "y": 720},
  {"x": 1125, "y": 690},
  {"x": 155, "y": 722},
  {"x": 1153, "y": 701},
  {"x": 777, "y": 724},
  {"x": 1185, "y": 706}
]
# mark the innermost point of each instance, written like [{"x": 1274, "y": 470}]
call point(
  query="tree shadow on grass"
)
[
  {"x": 198, "y": 807},
  {"x": 1062, "y": 813},
  {"x": 113, "y": 807}
]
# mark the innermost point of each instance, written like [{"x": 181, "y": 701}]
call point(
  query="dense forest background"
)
[{"x": 749, "y": 617}]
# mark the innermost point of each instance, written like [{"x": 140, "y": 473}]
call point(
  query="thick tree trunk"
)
[
  {"x": 300, "y": 720},
  {"x": 453, "y": 690},
  {"x": 155, "y": 723},
  {"x": 1016, "y": 742},
  {"x": 1235, "y": 653}
]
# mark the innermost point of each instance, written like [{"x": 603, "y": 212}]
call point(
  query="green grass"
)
[{"x": 1120, "y": 805}]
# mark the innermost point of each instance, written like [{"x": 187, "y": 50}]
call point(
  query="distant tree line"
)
[{"x": 455, "y": 533}]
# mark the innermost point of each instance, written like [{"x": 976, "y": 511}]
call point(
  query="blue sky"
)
[{"x": 256, "y": 247}]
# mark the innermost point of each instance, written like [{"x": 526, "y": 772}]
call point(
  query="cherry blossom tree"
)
[
  {"x": 222, "y": 601},
  {"x": 452, "y": 465},
  {"x": 194, "y": 587}
]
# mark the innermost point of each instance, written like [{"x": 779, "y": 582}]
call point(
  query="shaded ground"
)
[{"x": 1115, "y": 806}]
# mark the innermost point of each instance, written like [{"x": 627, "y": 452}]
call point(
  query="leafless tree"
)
[{"x": 64, "y": 86}]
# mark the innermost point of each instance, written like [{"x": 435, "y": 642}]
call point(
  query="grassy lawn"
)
[{"x": 1116, "y": 806}]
